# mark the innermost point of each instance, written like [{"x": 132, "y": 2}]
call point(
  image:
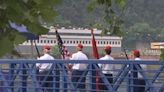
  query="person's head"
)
[
  {"x": 136, "y": 53},
  {"x": 46, "y": 49},
  {"x": 107, "y": 49},
  {"x": 79, "y": 47}
]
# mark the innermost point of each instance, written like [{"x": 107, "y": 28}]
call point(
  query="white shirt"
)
[
  {"x": 44, "y": 66},
  {"x": 79, "y": 56},
  {"x": 143, "y": 67},
  {"x": 107, "y": 68}
]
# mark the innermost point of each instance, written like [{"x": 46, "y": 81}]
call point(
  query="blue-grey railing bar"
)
[
  {"x": 71, "y": 85},
  {"x": 19, "y": 72},
  {"x": 120, "y": 78},
  {"x": 35, "y": 82},
  {"x": 109, "y": 86},
  {"x": 156, "y": 76},
  {"x": 24, "y": 78},
  {"x": 162, "y": 88},
  {"x": 5, "y": 83},
  {"x": 148, "y": 82},
  {"x": 120, "y": 72},
  {"x": 10, "y": 76}
]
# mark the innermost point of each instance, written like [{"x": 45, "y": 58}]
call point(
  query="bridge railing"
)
[{"x": 127, "y": 76}]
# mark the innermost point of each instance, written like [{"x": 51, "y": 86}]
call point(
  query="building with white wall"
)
[{"x": 71, "y": 37}]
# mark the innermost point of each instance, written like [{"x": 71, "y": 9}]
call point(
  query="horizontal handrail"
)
[{"x": 21, "y": 76}]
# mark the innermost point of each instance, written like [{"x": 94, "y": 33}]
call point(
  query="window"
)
[
  {"x": 41, "y": 41},
  {"x": 89, "y": 42},
  {"x": 113, "y": 42},
  {"x": 51, "y": 41},
  {"x": 86, "y": 42},
  {"x": 116, "y": 42},
  {"x": 97, "y": 42}
]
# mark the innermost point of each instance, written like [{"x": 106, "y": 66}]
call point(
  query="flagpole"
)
[
  {"x": 125, "y": 53},
  {"x": 37, "y": 50},
  {"x": 96, "y": 56}
]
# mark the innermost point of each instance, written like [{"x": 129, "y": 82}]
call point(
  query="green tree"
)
[
  {"x": 31, "y": 13},
  {"x": 140, "y": 32},
  {"x": 161, "y": 34},
  {"x": 55, "y": 51},
  {"x": 162, "y": 55},
  {"x": 113, "y": 10}
]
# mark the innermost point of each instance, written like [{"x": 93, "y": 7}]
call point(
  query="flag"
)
[
  {"x": 60, "y": 45},
  {"x": 65, "y": 54},
  {"x": 96, "y": 56},
  {"x": 94, "y": 47}
]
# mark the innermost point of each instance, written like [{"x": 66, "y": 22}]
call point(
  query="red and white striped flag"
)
[{"x": 62, "y": 49}]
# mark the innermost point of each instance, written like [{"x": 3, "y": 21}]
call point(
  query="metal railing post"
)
[
  {"x": 132, "y": 78},
  {"x": 135, "y": 77},
  {"x": 24, "y": 78},
  {"x": 11, "y": 75}
]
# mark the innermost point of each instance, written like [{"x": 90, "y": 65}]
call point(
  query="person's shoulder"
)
[
  {"x": 102, "y": 58},
  {"x": 137, "y": 58},
  {"x": 82, "y": 53},
  {"x": 74, "y": 54},
  {"x": 46, "y": 57},
  {"x": 111, "y": 58},
  {"x": 51, "y": 57},
  {"x": 41, "y": 57},
  {"x": 107, "y": 58}
]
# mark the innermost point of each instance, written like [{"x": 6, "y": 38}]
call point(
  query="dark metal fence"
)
[{"x": 127, "y": 76}]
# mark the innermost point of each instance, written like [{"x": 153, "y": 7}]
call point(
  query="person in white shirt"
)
[
  {"x": 107, "y": 69},
  {"x": 44, "y": 69},
  {"x": 139, "y": 81},
  {"x": 79, "y": 69}
]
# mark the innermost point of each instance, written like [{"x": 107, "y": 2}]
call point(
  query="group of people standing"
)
[{"x": 78, "y": 69}]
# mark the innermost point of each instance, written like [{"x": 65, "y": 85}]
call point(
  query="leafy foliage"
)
[
  {"x": 162, "y": 55},
  {"x": 31, "y": 13},
  {"x": 111, "y": 18},
  {"x": 55, "y": 51},
  {"x": 143, "y": 33},
  {"x": 129, "y": 12}
]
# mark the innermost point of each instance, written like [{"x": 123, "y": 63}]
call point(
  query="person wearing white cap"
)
[
  {"x": 44, "y": 70},
  {"x": 79, "y": 69},
  {"x": 107, "y": 69}
]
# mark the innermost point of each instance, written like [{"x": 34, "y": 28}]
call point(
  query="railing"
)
[{"x": 22, "y": 76}]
